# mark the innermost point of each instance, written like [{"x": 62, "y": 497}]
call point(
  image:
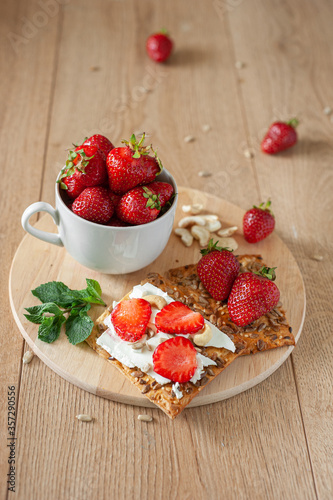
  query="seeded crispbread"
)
[{"x": 183, "y": 284}]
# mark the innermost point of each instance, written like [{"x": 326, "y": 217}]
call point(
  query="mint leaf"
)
[
  {"x": 53, "y": 291},
  {"x": 79, "y": 325},
  {"x": 36, "y": 313},
  {"x": 50, "y": 328},
  {"x": 94, "y": 285}
]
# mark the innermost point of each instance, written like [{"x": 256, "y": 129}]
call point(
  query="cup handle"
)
[{"x": 41, "y": 206}]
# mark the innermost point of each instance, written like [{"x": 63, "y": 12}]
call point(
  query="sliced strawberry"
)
[
  {"x": 130, "y": 319},
  {"x": 177, "y": 318},
  {"x": 175, "y": 359}
]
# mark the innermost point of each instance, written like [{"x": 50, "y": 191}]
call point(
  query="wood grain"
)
[
  {"x": 26, "y": 88},
  {"x": 275, "y": 440},
  {"x": 36, "y": 262}
]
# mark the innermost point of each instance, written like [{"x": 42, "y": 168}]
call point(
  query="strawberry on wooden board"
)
[
  {"x": 101, "y": 142},
  {"x": 217, "y": 270},
  {"x": 159, "y": 46},
  {"x": 94, "y": 204},
  {"x": 252, "y": 296},
  {"x": 163, "y": 189},
  {"x": 280, "y": 136},
  {"x": 178, "y": 318},
  {"x": 258, "y": 223},
  {"x": 130, "y": 319},
  {"x": 175, "y": 359},
  {"x": 131, "y": 165},
  {"x": 138, "y": 206},
  {"x": 86, "y": 162}
]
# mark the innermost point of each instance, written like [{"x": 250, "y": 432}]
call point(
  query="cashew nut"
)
[
  {"x": 228, "y": 231},
  {"x": 155, "y": 301},
  {"x": 202, "y": 234},
  {"x": 194, "y": 209},
  {"x": 185, "y": 235},
  {"x": 203, "y": 336},
  {"x": 191, "y": 220},
  {"x": 229, "y": 243},
  {"x": 213, "y": 225},
  {"x": 209, "y": 217}
]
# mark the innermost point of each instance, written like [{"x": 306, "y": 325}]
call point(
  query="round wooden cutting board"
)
[{"x": 36, "y": 262}]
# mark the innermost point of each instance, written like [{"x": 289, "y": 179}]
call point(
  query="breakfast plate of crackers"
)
[{"x": 242, "y": 357}]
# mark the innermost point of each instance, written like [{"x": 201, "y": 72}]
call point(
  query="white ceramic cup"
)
[{"x": 108, "y": 249}]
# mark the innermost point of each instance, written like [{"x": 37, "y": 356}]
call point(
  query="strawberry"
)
[
  {"x": 217, "y": 270},
  {"x": 258, "y": 223},
  {"x": 175, "y": 359},
  {"x": 74, "y": 184},
  {"x": 139, "y": 206},
  {"x": 130, "y": 166},
  {"x": 252, "y": 295},
  {"x": 115, "y": 222},
  {"x": 94, "y": 204},
  {"x": 178, "y": 318},
  {"x": 130, "y": 319},
  {"x": 280, "y": 136},
  {"x": 163, "y": 189},
  {"x": 88, "y": 163},
  {"x": 159, "y": 46},
  {"x": 101, "y": 142}
]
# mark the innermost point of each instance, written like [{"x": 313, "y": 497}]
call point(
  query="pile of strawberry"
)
[
  {"x": 250, "y": 295},
  {"x": 115, "y": 186}
]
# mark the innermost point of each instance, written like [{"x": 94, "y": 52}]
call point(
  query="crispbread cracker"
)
[{"x": 183, "y": 284}]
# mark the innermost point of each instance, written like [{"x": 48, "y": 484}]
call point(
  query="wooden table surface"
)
[{"x": 71, "y": 68}]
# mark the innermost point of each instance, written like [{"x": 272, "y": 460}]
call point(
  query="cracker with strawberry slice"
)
[{"x": 183, "y": 286}]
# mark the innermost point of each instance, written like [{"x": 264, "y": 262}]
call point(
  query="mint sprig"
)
[{"x": 61, "y": 305}]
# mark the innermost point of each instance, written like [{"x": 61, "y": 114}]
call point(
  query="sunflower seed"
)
[
  {"x": 210, "y": 372},
  {"x": 189, "y": 138},
  {"x": 261, "y": 327},
  {"x": 137, "y": 373},
  {"x": 146, "y": 389},
  {"x": 317, "y": 257},
  {"x": 261, "y": 344},
  {"x": 84, "y": 418},
  {"x": 27, "y": 357},
  {"x": 204, "y": 173},
  {"x": 206, "y": 128},
  {"x": 145, "y": 418}
]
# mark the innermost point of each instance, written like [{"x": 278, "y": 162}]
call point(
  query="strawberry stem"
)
[
  {"x": 294, "y": 122},
  {"x": 265, "y": 207},
  {"x": 213, "y": 247},
  {"x": 267, "y": 272}
]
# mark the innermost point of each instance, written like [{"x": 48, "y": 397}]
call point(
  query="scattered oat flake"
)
[
  {"x": 189, "y": 138},
  {"x": 239, "y": 64},
  {"x": 317, "y": 257},
  {"x": 204, "y": 173},
  {"x": 248, "y": 154},
  {"x": 206, "y": 127},
  {"x": 327, "y": 110},
  {"x": 84, "y": 418},
  {"x": 145, "y": 418},
  {"x": 27, "y": 357}
]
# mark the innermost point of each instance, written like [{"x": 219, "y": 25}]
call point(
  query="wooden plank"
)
[
  {"x": 27, "y": 61},
  {"x": 250, "y": 446},
  {"x": 288, "y": 65}
]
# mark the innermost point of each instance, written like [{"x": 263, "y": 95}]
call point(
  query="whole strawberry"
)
[
  {"x": 258, "y": 223},
  {"x": 280, "y": 136},
  {"x": 139, "y": 206},
  {"x": 101, "y": 142},
  {"x": 163, "y": 189},
  {"x": 131, "y": 165},
  {"x": 73, "y": 184},
  {"x": 252, "y": 296},
  {"x": 88, "y": 165},
  {"x": 217, "y": 270},
  {"x": 159, "y": 46},
  {"x": 94, "y": 204}
]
